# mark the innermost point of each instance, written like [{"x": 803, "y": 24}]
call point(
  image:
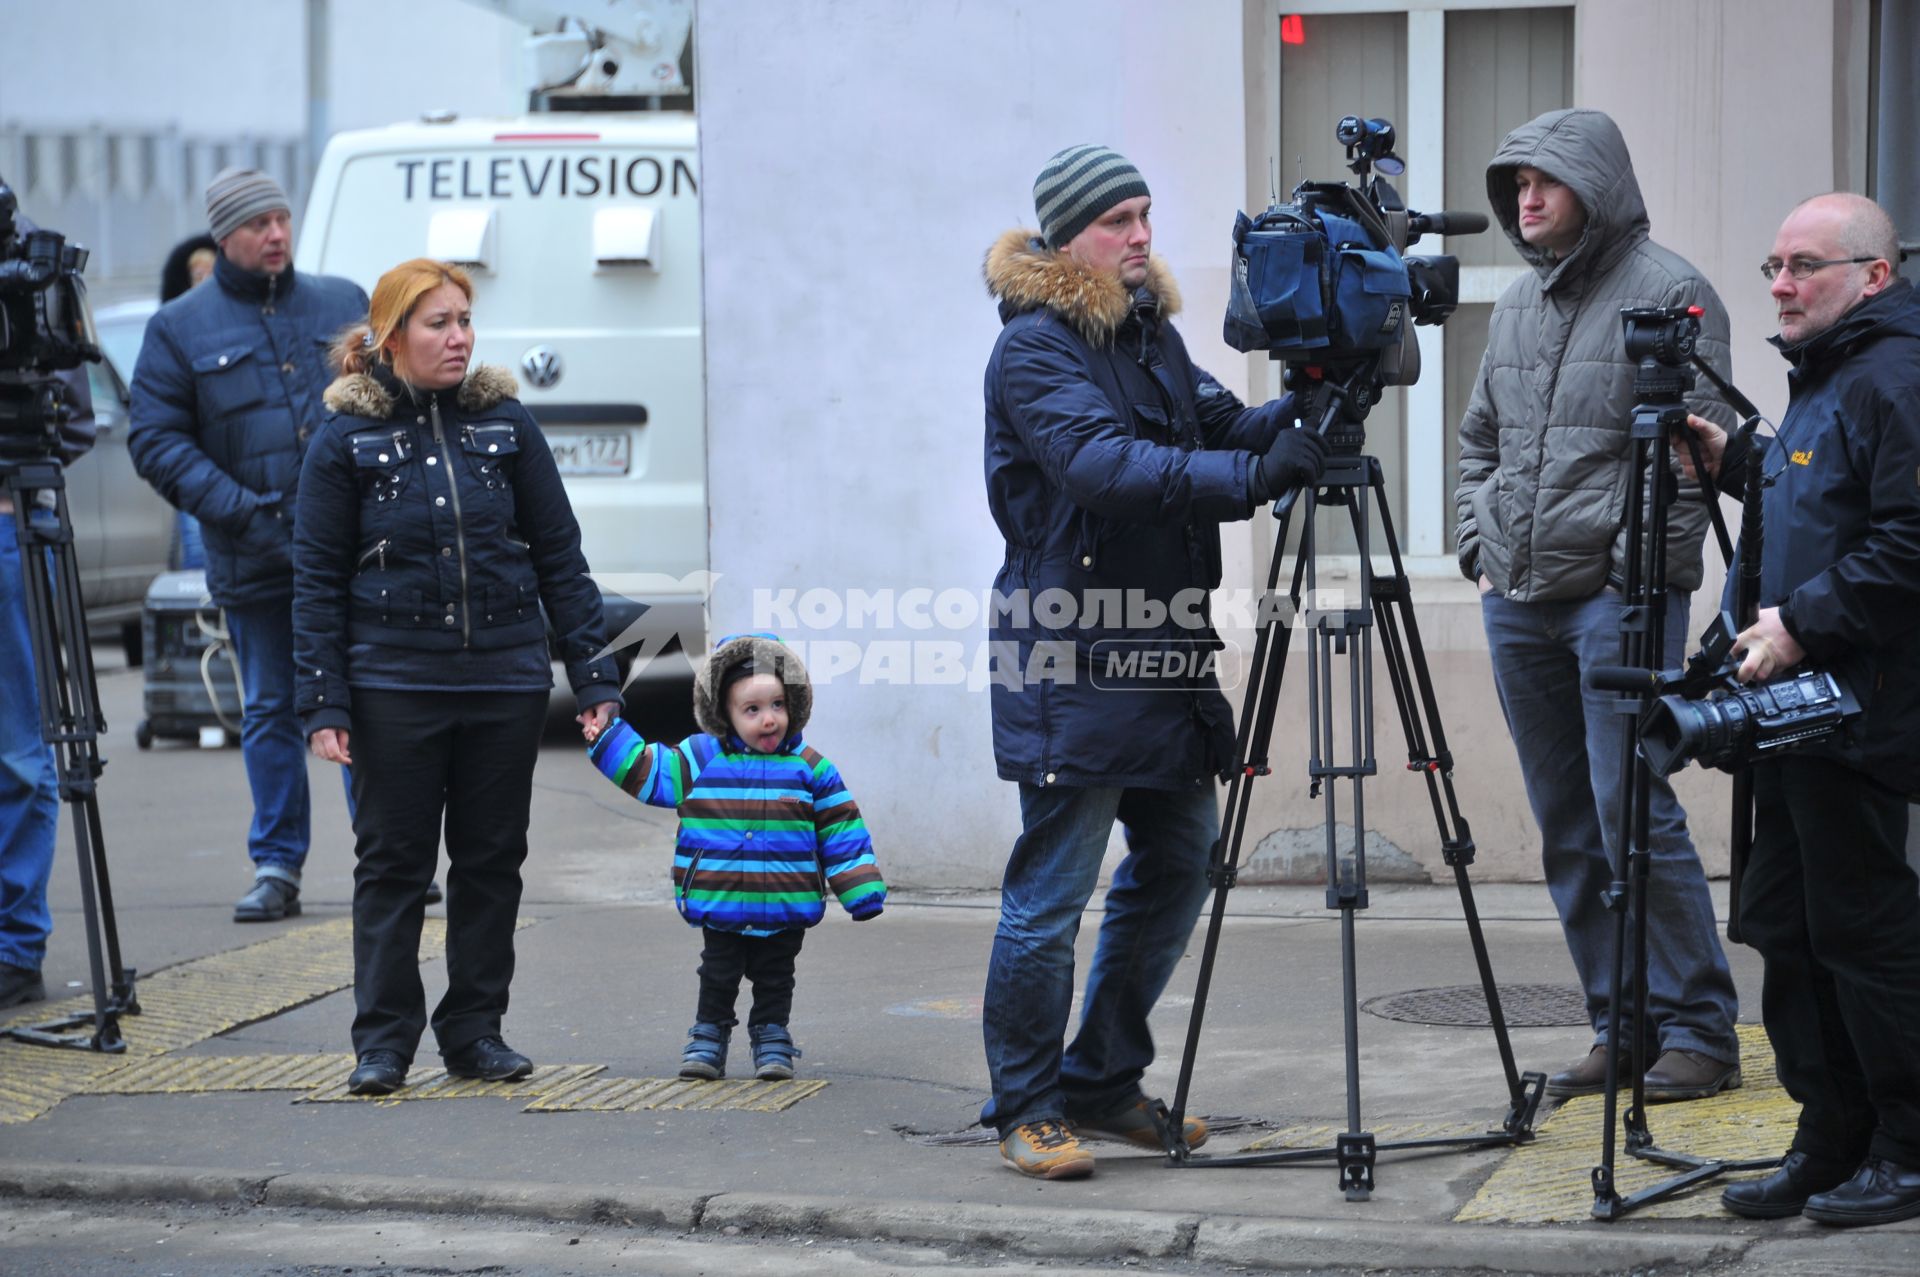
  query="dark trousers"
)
[
  {"x": 1829, "y": 901},
  {"x": 767, "y": 961},
  {"x": 419, "y": 758}
]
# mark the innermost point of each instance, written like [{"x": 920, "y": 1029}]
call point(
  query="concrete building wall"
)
[{"x": 854, "y": 171}]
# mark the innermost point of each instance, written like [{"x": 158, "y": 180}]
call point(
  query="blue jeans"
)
[
  {"x": 1152, "y": 902},
  {"x": 29, "y": 792},
  {"x": 271, "y": 743},
  {"x": 1569, "y": 740}
]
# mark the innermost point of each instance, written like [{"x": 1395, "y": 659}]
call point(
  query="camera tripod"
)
[
  {"x": 1345, "y": 633},
  {"x": 71, "y": 723},
  {"x": 1660, "y": 383}
]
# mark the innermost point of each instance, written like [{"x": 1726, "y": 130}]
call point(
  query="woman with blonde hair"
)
[{"x": 431, "y": 528}]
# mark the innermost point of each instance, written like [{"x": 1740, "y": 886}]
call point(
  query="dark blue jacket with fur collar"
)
[
  {"x": 1111, "y": 461},
  {"x": 432, "y": 524}
]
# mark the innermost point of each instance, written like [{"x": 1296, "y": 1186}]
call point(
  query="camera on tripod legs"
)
[
  {"x": 1325, "y": 283},
  {"x": 1711, "y": 717},
  {"x": 45, "y": 327}
]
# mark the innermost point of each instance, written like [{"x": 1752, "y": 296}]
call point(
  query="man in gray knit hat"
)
[
  {"x": 226, "y": 395},
  {"x": 1111, "y": 462}
]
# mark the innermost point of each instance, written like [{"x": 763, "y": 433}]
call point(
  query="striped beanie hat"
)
[
  {"x": 236, "y": 196},
  {"x": 1078, "y": 185}
]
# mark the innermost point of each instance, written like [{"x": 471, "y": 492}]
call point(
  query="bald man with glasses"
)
[{"x": 1828, "y": 898}]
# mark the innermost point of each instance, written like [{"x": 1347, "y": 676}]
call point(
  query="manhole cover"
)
[{"x": 1526, "y": 1006}]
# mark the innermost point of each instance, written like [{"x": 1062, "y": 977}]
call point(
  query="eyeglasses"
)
[{"x": 1803, "y": 267}]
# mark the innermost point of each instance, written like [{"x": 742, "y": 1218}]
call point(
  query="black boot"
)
[
  {"x": 378, "y": 1073},
  {"x": 1785, "y": 1191},
  {"x": 1880, "y": 1193},
  {"x": 270, "y": 900},
  {"x": 488, "y": 1059}
]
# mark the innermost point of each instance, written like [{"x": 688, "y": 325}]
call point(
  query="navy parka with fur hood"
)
[
  {"x": 434, "y": 523},
  {"x": 1111, "y": 461}
]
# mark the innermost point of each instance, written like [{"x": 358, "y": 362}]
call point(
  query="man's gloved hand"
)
[{"x": 1295, "y": 460}]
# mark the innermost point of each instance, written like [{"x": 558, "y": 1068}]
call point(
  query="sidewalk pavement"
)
[{"x": 887, "y": 1015}]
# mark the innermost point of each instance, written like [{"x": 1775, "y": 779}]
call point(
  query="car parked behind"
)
[{"x": 123, "y": 531}]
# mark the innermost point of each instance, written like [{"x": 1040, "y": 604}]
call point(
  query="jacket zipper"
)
[
  {"x": 376, "y": 551},
  {"x": 459, "y": 525}
]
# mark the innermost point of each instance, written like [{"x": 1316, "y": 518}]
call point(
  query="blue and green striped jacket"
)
[{"x": 763, "y": 837}]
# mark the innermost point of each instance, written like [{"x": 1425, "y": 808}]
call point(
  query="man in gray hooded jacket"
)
[{"x": 1545, "y": 461}]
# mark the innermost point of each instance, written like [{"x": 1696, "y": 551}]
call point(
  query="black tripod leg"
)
[
  {"x": 1428, "y": 755},
  {"x": 1252, "y": 745},
  {"x": 1347, "y": 632},
  {"x": 1739, "y": 846},
  {"x": 70, "y": 723}
]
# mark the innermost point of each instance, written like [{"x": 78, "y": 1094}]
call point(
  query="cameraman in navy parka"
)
[{"x": 1111, "y": 461}]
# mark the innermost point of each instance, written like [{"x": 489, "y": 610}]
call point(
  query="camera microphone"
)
[
  {"x": 1446, "y": 223},
  {"x": 1624, "y": 678}
]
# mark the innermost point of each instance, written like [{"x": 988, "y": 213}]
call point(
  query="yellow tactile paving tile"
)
[
  {"x": 437, "y": 1084},
  {"x": 187, "y": 1004},
  {"x": 636, "y": 1094},
  {"x": 197, "y": 1000},
  {"x": 200, "y": 1074},
  {"x": 35, "y": 1078},
  {"x": 1550, "y": 1179}
]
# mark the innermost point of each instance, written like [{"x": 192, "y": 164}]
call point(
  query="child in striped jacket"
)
[{"x": 767, "y": 828}]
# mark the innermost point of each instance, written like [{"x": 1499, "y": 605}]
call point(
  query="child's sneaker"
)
[
  {"x": 773, "y": 1052},
  {"x": 1135, "y": 1125},
  {"x": 1046, "y": 1149},
  {"x": 705, "y": 1055}
]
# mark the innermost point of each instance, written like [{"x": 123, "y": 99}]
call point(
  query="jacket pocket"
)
[
  {"x": 1488, "y": 533},
  {"x": 491, "y": 448},
  {"x": 507, "y": 604},
  {"x": 684, "y": 888},
  {"x": 1150, "y": 421},
  {"x": 226, "y": 382},
  {"x": 380, "y": 463}
]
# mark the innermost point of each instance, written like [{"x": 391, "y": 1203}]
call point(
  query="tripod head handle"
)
[{"x": 1625, "y": 678}]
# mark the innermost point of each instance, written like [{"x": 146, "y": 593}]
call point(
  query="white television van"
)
[{"x": 582, "y": 234}]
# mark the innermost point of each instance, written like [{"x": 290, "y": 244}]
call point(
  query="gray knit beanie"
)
[
  {"x": 1078, "y": 185},
  {"x": 236, "y": 196}
]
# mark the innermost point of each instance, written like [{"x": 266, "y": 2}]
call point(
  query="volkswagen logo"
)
[{"x": 542, "y": 366}]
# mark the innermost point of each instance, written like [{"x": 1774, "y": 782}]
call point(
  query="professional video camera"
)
[
  {"x": 1709, "y": 716},
  {"x": 45, "y": 327},
  {"x": 1325, "y": 282}
]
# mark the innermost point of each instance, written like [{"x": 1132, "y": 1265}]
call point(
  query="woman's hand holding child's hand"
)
[{"x": 595, "y": 720}]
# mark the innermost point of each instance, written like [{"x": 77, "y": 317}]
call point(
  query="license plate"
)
[{"x": 608, "y": 452}]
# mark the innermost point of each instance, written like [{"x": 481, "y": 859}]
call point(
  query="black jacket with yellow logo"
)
[{"x": 1841, "y": 497}]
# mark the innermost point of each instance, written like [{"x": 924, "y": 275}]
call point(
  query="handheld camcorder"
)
[
  {"x": 1710, "y": 717},
  {"x": 1325, "y": 282},
  {"x": 45, "y": 327}
]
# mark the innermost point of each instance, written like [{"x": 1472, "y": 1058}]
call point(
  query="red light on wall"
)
[{"x": 1292, "y": 29}]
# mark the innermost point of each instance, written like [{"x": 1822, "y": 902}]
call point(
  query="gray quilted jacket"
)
[{"x": 1545, "y": 449}]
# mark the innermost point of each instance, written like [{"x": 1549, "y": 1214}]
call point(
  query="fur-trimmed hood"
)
[
  {"x": 769, "y": 656},
  {"x": 377, "y": 394},
  {"x": 1023, "y": 274}
]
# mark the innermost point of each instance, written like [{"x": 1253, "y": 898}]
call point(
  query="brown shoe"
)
[
  {"x": 1046, "y": 1149},
  {"x": 1689, "y": 1075},
  {"x": 1589, "y": 1077}
]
